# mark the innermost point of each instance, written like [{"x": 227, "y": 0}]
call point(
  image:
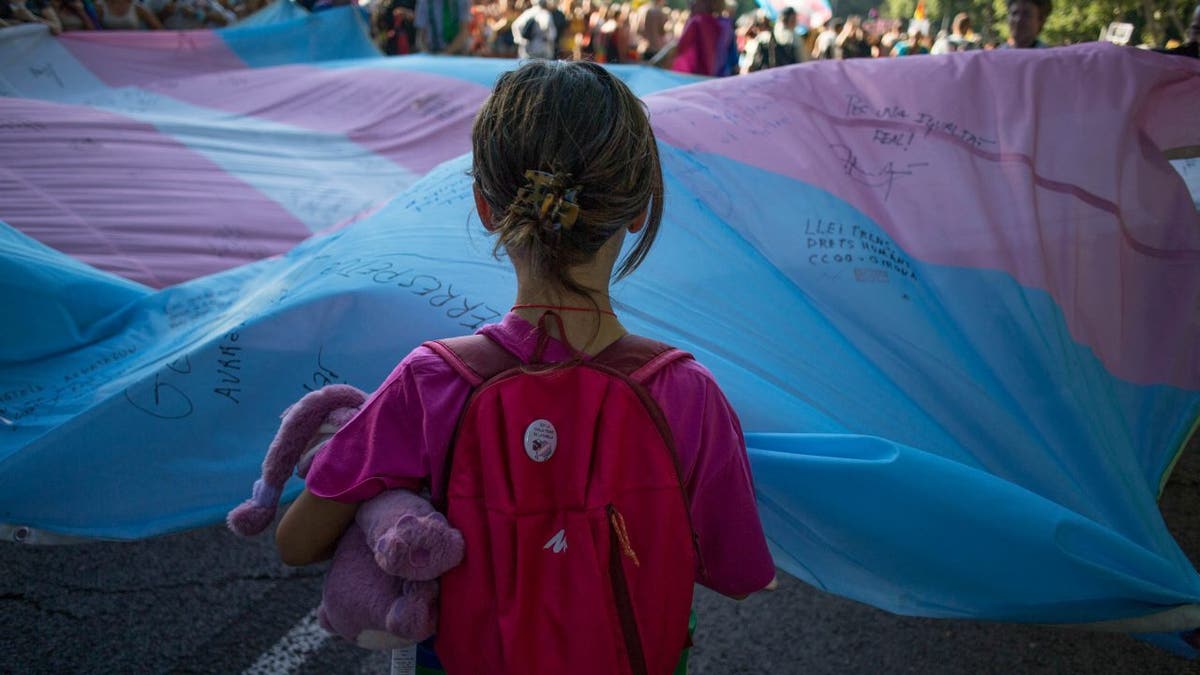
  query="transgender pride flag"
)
[{"x": 953, "y": 299}]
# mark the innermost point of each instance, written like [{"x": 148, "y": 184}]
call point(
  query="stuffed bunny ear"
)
[
  {"x": 302, "y": 423},
  {"x": 255, "y": 514}
]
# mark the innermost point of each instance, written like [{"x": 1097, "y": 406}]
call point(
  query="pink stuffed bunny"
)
[{"x": 381, "y": 588}]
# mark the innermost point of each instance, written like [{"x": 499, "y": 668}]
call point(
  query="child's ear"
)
[
  {"x": 639, "y": 222},
  {"x": 481, "y": 206}
]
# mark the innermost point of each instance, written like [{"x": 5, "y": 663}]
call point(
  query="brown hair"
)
[{"x": 575, "y": 121}]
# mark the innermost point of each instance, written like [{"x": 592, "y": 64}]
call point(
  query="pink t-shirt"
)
[{"x": 401, "y": 436}]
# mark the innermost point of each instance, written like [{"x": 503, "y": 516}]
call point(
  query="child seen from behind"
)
[{"x": 594, "y": 474}]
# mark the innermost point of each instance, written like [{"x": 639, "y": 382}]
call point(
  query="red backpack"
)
[{"x": 564, "y": 481}]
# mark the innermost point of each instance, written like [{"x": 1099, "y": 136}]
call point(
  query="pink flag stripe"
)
[
  {"x": 123, "y": 197},
  {"x": 417, "y": 120},
  {"x": 137, "y": 58},
  {"x": 991, "y": 185}
]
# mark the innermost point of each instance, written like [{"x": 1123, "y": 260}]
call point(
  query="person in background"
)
[
  {"x": 676, "y": 20},
  {"x": 648, "y": 25},
  {"x": 16, "y": 13},
  {"x": 126, "y": 15},
  {"x": 244, "y": 8},
  {"x": 502, "y": 43},
  {"x": 1025, "y": 21},
  {"x": 779, "y": 46},
  {"x": 443, "y": 26},
  {"x": 727, "y": 51},
  {"x": 826, "y": 45},
  {"x": 595, "y": 33},
  {"x": 43, "y": 12},
  {"x": 913, "y": 45},
  {"x": 592, "y": 46},
  {"x": 894, "y": 34},
  {"x": 395, "y": 32},
  {"x": 577, "y": 21},
  {"x": 696, "y": 51},
  {"x": 190, "y": 14},
  {"x": 960, "y": 39},
  {"x": 614, "y": 37},
  {"x": 72, "y": 15},
  {"x": 477, "y": 28},
  {"x": 852, "y": 41},
  {"x": 564, "y": 38},
  {"x": 534, "y": 32},
  {"x": 873, "y": 43},
  {"x": 748, "y": 33}
]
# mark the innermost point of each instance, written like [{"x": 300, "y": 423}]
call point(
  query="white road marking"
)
[{"x": 292, "y": 650}]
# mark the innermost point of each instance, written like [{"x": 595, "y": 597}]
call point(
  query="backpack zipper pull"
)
[{"x": 618, "y": 524}]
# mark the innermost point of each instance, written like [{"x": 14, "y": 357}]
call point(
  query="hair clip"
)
[{"x": 550, "y": 199}]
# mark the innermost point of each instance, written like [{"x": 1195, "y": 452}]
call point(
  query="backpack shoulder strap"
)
[
  {"x": 477, "y": 358},
  {"x": 639, "y": 358}
]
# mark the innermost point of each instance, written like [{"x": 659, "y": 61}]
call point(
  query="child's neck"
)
[{"x": 590, "y": 323}]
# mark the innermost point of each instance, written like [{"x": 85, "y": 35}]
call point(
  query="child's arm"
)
[
  {"x": 310, "y": 529},
  {"x": 734, "y": 558}
]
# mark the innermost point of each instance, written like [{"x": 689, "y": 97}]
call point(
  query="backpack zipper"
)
[
  {"x": 621, "y": 546},
  {"x": 664, "y": 430}
]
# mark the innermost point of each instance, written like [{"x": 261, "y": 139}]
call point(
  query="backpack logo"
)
[
  {"x": 541, "y": 439},
  {"x": 557, "y": 543}
]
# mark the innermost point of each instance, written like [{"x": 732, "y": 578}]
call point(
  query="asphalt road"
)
[{"x": 209, "y": 602}]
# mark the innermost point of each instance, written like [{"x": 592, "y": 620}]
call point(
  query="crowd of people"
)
[
  {"x": 67, "y": 15},
  {"x": 708, "y": 38}
]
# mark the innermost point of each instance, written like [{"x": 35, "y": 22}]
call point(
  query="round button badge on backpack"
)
[{"x": 541, "y": 439}]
